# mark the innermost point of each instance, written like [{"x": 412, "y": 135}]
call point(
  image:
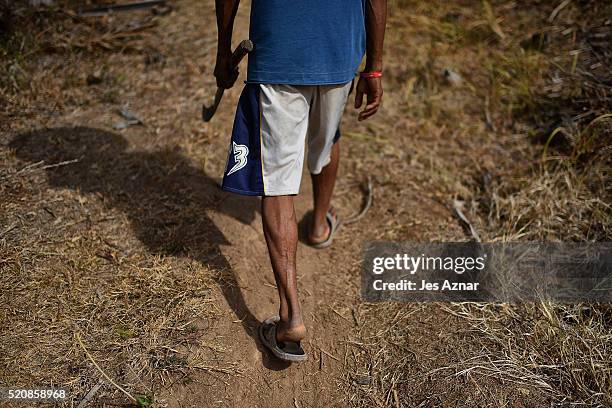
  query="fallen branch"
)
[
  {"x": 33, "y": 167},
  {"x": 557, "y": 10},
  {"x": 103, "y": 10},
  {"x": 90, "y": 394},
  {"x": 457, "y": 208},
  {"x": 78, "y": 337},
  {"x": 9, "y": 229},
  {"x": 488, "y": 121},
  {"x": 366, "y": 207}
]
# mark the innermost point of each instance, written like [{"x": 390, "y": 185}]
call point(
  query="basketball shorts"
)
[{"x": 274, "y": 128}]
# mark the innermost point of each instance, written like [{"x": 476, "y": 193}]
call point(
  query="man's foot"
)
[
  {"x": 321, "y": 235},
  {"x": 290, "y": 333}
]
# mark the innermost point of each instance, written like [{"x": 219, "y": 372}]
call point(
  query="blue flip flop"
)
[{"x": 287, "y": 350}]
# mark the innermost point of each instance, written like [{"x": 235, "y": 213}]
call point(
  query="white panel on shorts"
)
[{"x": 290, "y": 115}]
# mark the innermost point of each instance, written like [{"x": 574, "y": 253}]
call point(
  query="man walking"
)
[{"x": 299, "y": 77}]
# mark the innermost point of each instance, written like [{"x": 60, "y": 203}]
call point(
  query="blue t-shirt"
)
[{"x": 306, "y": 42}]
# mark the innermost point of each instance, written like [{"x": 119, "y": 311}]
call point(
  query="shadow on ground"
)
[{"x": 165, "y": 197}]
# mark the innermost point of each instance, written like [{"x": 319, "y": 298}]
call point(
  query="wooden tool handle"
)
[{"x": 241, "y": 50}]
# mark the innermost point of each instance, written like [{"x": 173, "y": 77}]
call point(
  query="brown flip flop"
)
[{"x": 334, "y": 225}]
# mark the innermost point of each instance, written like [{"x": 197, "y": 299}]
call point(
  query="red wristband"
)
[{"x": 372, "y": 74}]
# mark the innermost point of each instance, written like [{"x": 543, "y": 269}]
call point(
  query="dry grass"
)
[
  {"x": 144, "y": 323},
  {"x": 530, "y": 127},
  {"x": 562, "y": 350},
  {"x": 523, "y": 139},
  {"x": 78, "y": 288}
]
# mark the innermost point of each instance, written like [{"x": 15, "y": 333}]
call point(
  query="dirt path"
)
[
  {"x": 330, "y": 297},
  {"x": 170, "y": 166},
  {"x": 264, "y": 381}
]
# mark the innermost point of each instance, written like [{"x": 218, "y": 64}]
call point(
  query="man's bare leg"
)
[
  {"x": 323, "y": 188},
  {"x": 280, "y": 230}
]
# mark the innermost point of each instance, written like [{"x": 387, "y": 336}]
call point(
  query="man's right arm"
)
[{"x": 224, "y": 72}]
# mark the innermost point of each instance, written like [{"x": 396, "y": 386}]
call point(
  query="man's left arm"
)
[{"x": 375, "y": 22}]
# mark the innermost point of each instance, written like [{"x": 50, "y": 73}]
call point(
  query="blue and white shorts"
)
[{"x": 272, "y": 126}]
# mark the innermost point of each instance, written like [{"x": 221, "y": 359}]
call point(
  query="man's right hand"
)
[{"x": 225, "y": 73}]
